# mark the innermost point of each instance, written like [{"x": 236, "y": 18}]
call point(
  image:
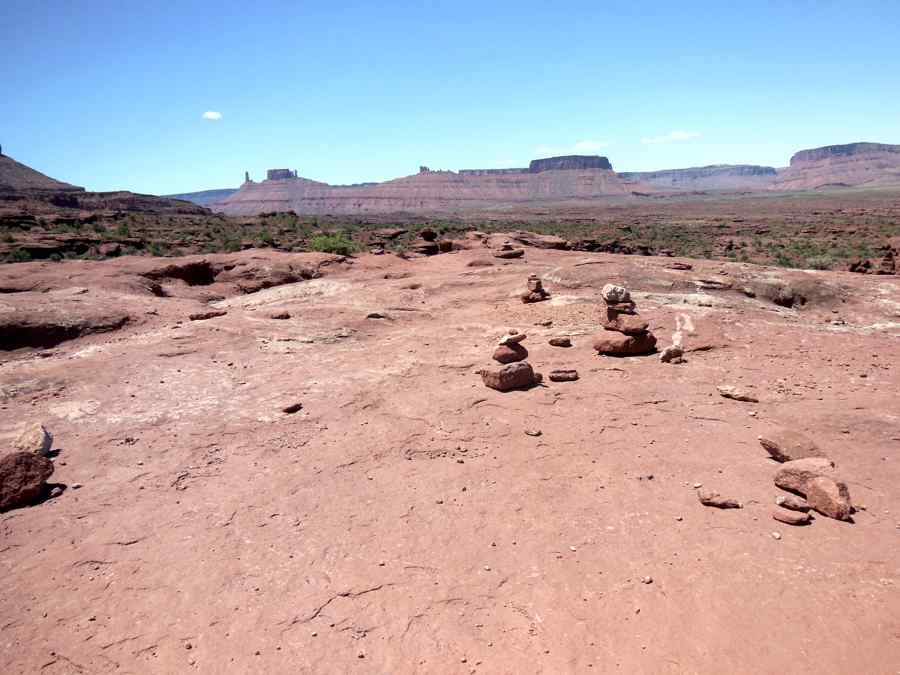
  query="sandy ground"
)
[{"x": 404, "y": 522}]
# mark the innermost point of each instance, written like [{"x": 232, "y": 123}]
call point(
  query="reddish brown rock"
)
[
  {"x": 713, "y": 498},
  {"x": 280, "y": 315},
  {"x": 790, "y": 517},
  {"x": 794, "y": 475},
  {"x": 560, "y": 342},
  {"x": 829, "y": 497},
  {"x": 792, "y": 502},
  {"x": 785, "y": 445},
  {"x": 510, "y": 254},
  {"x": 619, "y": 344},
  {"x": 22, "y": 478},
  {"x": 628, "y": 324},
  {"x": 208, "y": 314},
  {"x": 613, "y": 311},
  {"x": 512, "y": 337},
  {"x": 563, "y": 375},
  {"x": 514, "y": 376},
  {"x": 510, "y": 352},
  {"x": 672, "y": 354}
]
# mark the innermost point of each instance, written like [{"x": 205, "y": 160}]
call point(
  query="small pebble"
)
[
  {"x": 646, "y": 580},
  {"x": 698, "y": 485},
  {"x": 573, "y": 549},
  {"x": 76, "y": 486},
  {"x": 776, "y": 535}
]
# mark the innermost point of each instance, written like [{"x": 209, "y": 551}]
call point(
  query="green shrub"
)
[
  {"x": 332, "y": 243},
  {"x": 820, "y": 262},
  {"x": 19, "y": 255}
]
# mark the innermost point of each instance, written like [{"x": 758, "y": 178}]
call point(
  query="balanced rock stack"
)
[
  {"x": 517, "y": 373},
  {"x": 25, "y": 470},
  {"x": 426, "y": 243},
  {"x": 625, "y": 333},
  {"x": 507, "y": 251},
  {"x": 510, "y": 349},
  {"x": 536, "y": 291}
]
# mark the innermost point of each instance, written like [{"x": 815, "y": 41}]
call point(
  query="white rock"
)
[{"x": 34, "y": 439}]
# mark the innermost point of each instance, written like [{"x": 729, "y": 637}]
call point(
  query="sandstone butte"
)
[{"x": 333, "y": 493}]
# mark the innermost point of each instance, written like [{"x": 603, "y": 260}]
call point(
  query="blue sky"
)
[{"x": 111, "y": 95}]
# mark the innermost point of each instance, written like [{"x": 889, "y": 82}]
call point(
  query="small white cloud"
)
[
  {"x": 671, "y": 136},
  {"x": 212, "y": 115},
  {"x": 577, "y": 148}
]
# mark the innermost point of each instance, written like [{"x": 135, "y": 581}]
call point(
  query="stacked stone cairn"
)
[
  {"x": 507, "y": 251},
  {"x": 535, "y": 291},
  {"x": 517, "y": 373},
  {"x": 625, "y": 333}
]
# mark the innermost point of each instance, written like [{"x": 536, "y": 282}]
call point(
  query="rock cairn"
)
[
  {"x": 507, "y": 251},
  {"x": 516, "y": 373},
  {"x": 625, "y": 333},
  {"x": 535, "y": 291},
  {"x": 25, "y": 470},
  {"x": 510, "y": 348}
]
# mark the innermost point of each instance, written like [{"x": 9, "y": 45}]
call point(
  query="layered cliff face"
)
[
  {"x": 430, "y": 191},
  {"x": 15, "y": 176},
  {"x": 204, "y": 197},
  {"x": 569, "y": 163},
  {"x": 714, "y": 177},
  {"x": 851, "y": 165}
]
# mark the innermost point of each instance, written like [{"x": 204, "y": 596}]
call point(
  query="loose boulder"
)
[
  {"x": 713, "y": 498},
  {"x": 563, "y": 375},
  {"x": 785, "y": 445},
  {"x": 795, "y": 475},
  {"x": 560, "y": 342},
  {"x": 672, "y": 354},
  {"x": 792, "y": 502},
  {"x": 790, "y": 517},
  {"x": 23, "y": 476},
  {"x": 829, "y": 497},
  {"x": 518, "y": 375}
]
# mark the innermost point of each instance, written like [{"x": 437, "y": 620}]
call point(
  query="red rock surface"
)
[{"x": 404, "y": 513}]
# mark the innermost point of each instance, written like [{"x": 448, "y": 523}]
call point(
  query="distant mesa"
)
[
  {"x": 871, "y": 165},
  {"x": 553, "y": 178},
  {"x": 713, "y": 177},
  {"x": 569, "y": 163},
  {"x": 843, "y": 151},
  {"x": 280, "y": 174}
]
